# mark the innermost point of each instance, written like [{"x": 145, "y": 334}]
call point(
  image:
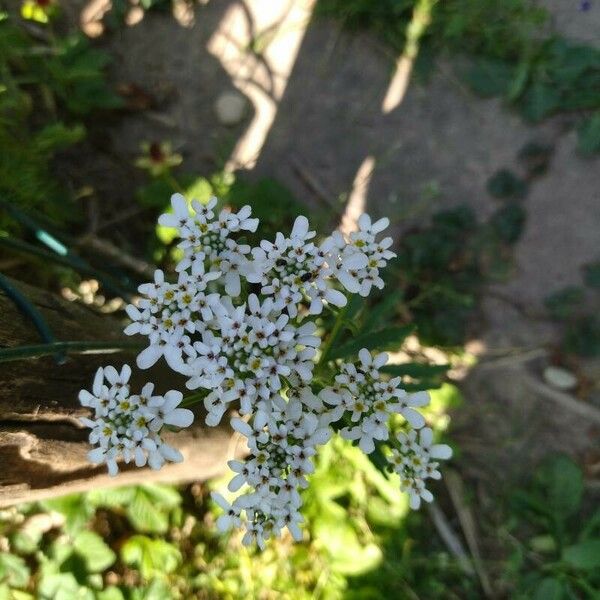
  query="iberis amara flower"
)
[{"x": 239, "y": 323}]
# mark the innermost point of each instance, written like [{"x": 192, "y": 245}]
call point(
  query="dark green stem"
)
[
  {"x": 38, "y": 350},
  {"x": 332, "y": 337},
  {"x": 26, "y": 307}
]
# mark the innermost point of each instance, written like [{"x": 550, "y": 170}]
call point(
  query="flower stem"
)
[
  {"x": 332, "y": 337},
  {"x": 193, "y": 398},
  {"x": 94, "y": 347},
  {"x": 173, "y": 183}
]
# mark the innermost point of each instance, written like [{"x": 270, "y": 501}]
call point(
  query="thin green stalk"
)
[
  {"x": 173, "y": 183},
  {"x": 193, "y": 399},
  {"x": 26, "y": 307},
  {"x": 332, "y": 337},
  {"x": 89, "y": 347},
  {"x": 69, "y": 260}
]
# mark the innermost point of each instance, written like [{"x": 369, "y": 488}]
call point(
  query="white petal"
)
[
  {"x": 426, "y": 437},
  {"x": 364, "y": 221},
  {"x": 96, "y": 456},
  {"x": 180, "y": 417},
  {"x": 98, "y": 382},
  {"x": 300, "y": 228},
  {"x": 148, "y": 357},
  {"x": 380, "y": 225},
  {"x": 441, "y": 451}
]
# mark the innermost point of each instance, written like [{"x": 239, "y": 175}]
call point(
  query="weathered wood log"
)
[{"x": 42, "y": 444}]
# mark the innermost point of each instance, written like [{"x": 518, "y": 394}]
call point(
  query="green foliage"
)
[
  {"x": 564, "y": 557},
  {"x": 443, "y": 266},
  {"x": 47, "y": 87},
  {"x": 582, "y": 327},
  {"x": 509, "y": 55},
  {"x": 389, "y": 338},
  {"x": 592, "y": 275},
  {"x": 355, "y": 513},
  {"x": 563, "y": 303},
  {"x": 505, "y": 184}
]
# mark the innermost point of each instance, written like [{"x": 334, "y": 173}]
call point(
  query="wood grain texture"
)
[{"x": 42, "y": 445}]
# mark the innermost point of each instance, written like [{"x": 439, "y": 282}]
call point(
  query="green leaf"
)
[
  {"x": 588, "y": 135},
  {"x": 561, "y": 486},
  {"x": 539, "y": 101},
  {"x": 390, "y": 338},
  {"x": 111, "y": 497},
  {"x": 591, "y": 274},
  {"x": 74, "y": 508},
  {"x": 383, "y": 311},
  {"x": 505, "y": 184},
  {"x": 148, "y": 510},
  {"x": 200, "y": 189},
  {"x": 151, "y": 557},
  {"x": 563, "y": 303},
  {"x": 97, "y": 555},
  {"x": 584, "y": 556},
  {"x": 490, "y": 77},
  {"x": 110, "y": 593},
  {"x": 62, "y": 586},
  {"x": 13, "y": 570},
  {"x": 583, "y": 337},
  {"x": 146, "y": 516},
  {"x": 416, "y": 370},
  {"x": 508, "y": 222},
  {"x": 549, "y": 589}
]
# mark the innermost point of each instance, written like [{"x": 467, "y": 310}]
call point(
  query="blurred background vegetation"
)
[{"x": 59, "y": 230}]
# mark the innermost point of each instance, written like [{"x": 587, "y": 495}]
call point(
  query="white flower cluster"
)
[
  {"x": 369, "y": 399},
  {"x": 412, "y": 460},
  {"x": 127, "y": 427},
  {"x": 237, "y": 324},
  {"x": 281, "y": 444}
]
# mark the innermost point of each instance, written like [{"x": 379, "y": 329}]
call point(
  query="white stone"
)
[
  {"x": 230, "y": 108},
  {"x": 560, "y": 378}
]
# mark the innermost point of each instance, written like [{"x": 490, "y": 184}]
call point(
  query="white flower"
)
[
  {"x": 415, "y": 460},
  {"x": 369, "y": 400},
  {"x": 127, "y": 427}
]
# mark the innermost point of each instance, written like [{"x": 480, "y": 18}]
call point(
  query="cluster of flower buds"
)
[{"x": 237, "y": 323}]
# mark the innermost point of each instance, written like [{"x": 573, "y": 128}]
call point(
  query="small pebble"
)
[
  {"x": 230, "y": 108},
  {"x": 560, "y": 378}
]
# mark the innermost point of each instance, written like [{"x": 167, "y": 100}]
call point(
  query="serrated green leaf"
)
[
  {"x": 163, "y": 495},
  {"x": 74, "y": 508},
  {"x": 110, "y": 593},
  {"x": 584, "y": 556},
  {"x": 383, "y": 311},
  {"x": 13, "y": 570},
  {"x": 97, "y": 555},
  {"x": 150, "y": 557},
  {"x": 145, "y": 516},
  {"x": 111, "y": 497},
  {"x": 390, "y": 338}
]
